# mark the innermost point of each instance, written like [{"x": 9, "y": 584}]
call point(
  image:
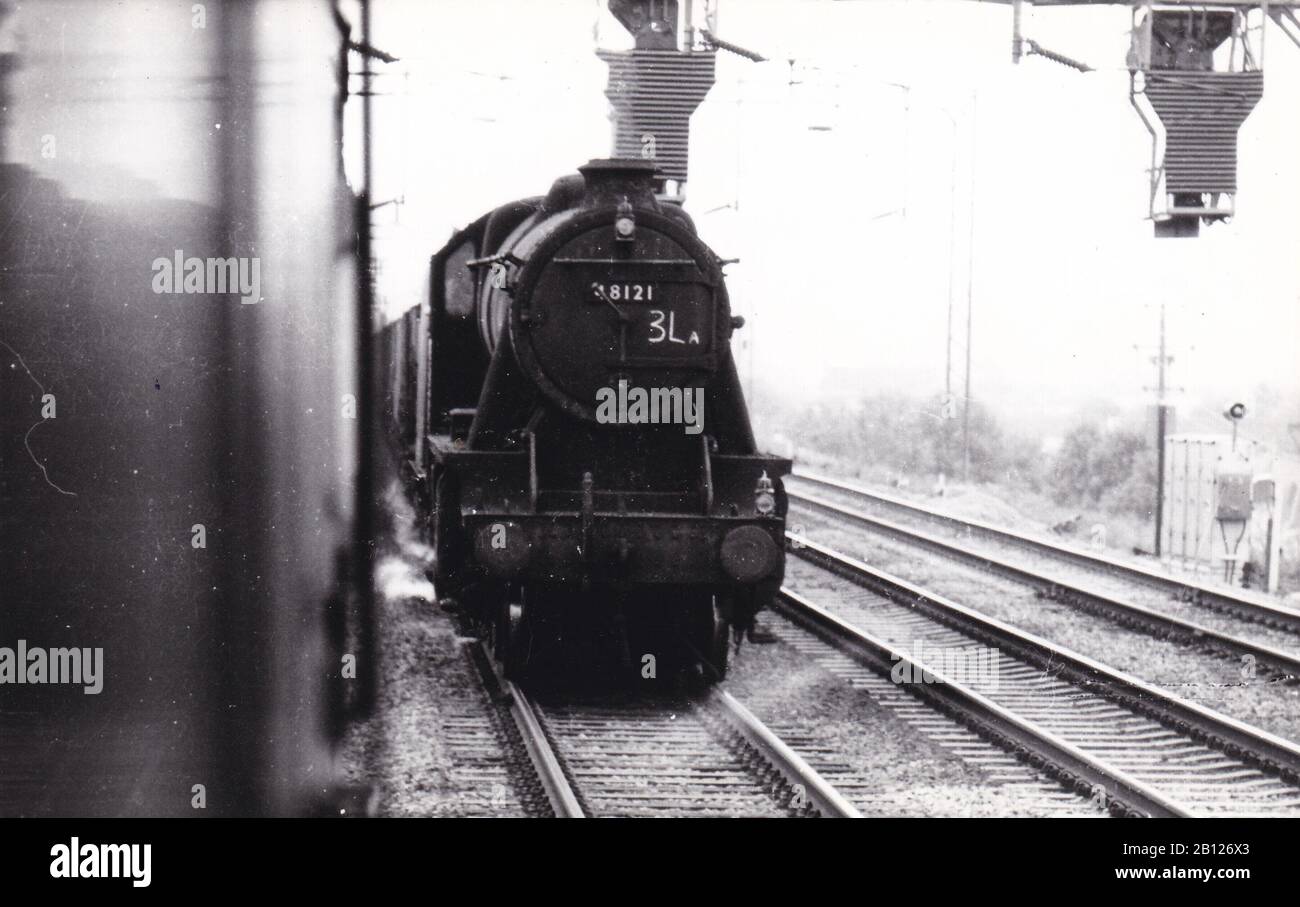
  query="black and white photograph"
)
[{"x": 734, "y": 409}]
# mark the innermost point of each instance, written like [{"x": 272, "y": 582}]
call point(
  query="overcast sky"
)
[
  {"x": 842, "y": 231},
  {"x": 845, "y": 297}
]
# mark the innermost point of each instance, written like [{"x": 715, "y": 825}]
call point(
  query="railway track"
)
[
  {"x": 706, "y": 757},
  {"x": 491, "y": 774},
  {"x": 1143, "y": 748},
  {"x": 1013, "y": 779},
  {"x": 1077, "y": 591},
  {"x": 1241, "y": 604}
]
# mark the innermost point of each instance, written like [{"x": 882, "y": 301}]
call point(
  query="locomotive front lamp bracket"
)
[
  {"x": 625, "y": 223},
  {"x": 764, "y": 496}
]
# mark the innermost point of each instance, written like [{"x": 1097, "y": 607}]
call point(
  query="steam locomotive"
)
[{"x": 576, "y": 437}]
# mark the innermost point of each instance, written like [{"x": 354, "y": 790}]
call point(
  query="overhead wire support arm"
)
[
  {"x": 373, "y": 53},
  {"x": 713, "y": 41},
  {"x": 1033, "y": 48},
  {"x": 1286, "y": 21},
  {"x": 1027, "y": 47}
]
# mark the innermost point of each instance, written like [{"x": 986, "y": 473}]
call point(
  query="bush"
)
[
  {"x": 911, "y": 435},
  {"x": 1114, "y": 470}
]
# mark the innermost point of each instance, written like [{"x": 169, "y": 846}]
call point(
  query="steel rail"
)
[
  {"x": 796, "y": 771},
  {"x": 773, "y": 751},
  {"x": 1240, "y": 603},
  {"x": 1227, "y": 734},
  {"x": 1069, "y": 592},
  {"x": 1066, "y": 761},
  {"x": 545, "y": 762}
]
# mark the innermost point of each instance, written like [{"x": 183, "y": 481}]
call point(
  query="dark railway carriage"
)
[
  {"x": 404, "y": 347},
  {"x": 558, "y": 505},
  {"x": 190, "y": 512}
]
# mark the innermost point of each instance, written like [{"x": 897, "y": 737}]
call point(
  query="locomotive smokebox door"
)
[{"x": 618, "y": 289}]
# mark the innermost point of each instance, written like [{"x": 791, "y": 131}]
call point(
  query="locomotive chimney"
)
[{"x": 614, "y": 180}]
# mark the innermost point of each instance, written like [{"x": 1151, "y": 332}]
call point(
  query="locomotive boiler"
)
[{"x": 584, "y": 453}]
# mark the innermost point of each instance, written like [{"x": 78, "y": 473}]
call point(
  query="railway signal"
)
[
  {"x": 656, "y": 86},
  {"x": 1195, "y": 74}
]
